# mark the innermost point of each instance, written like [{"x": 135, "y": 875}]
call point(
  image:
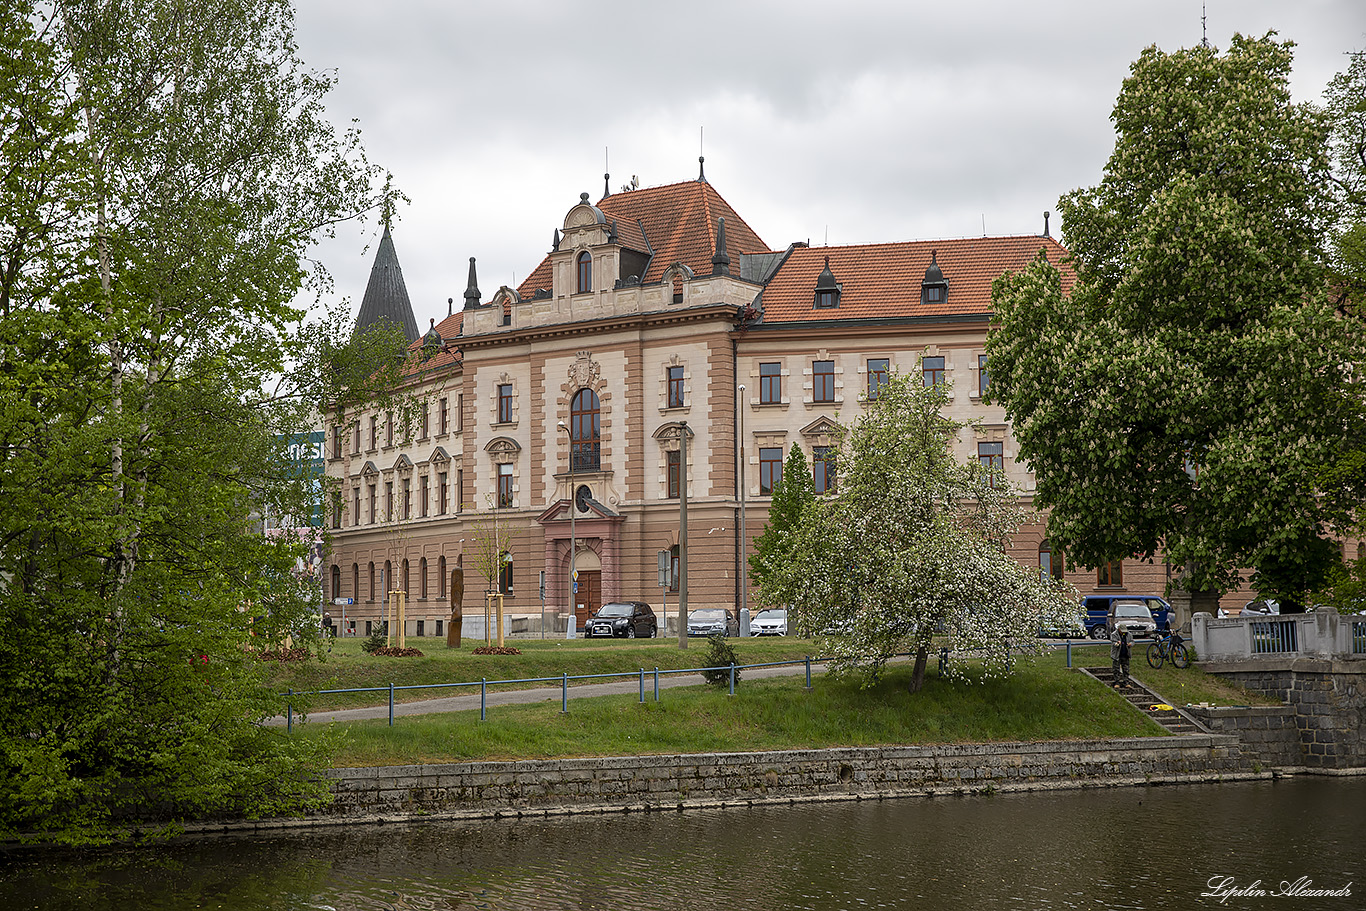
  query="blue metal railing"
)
[
  {"x": 1274, "y": 636},
  {"x": 564, "y": 680}
]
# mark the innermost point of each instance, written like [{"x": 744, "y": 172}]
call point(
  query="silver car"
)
[
  {"x": 771, "y": 622},
  {"x": 1134, "y": 616},
  {"x": 708, "y": 621}
]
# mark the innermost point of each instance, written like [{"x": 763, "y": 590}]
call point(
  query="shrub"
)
[{"x": 720, "y": 656}]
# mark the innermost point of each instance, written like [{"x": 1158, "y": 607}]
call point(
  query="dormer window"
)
[
  {"x": 934, "y": 289},
  {"x": 583, "y": 273},
  {"x": 827, "y": 289}
]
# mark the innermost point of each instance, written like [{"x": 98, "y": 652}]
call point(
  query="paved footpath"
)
[
  {"x": 547, "y": 693},
  {"x": 552, "y": 693}
]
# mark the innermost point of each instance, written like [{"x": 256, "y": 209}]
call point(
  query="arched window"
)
[
  {"x": 583, "y": 273},
  {"x": 422, "y": 578},
  {"x": 441, "y": 578},
  {"x": 585, "y": 431},
  {"x": 336, "y": 581}
]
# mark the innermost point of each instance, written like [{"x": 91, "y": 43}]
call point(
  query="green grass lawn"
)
[
  {"x": 347, "y": 667},
  {"x": 1041, "y": 701}
]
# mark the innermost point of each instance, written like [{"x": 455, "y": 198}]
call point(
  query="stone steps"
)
[{"x": 1144, "y": 699}]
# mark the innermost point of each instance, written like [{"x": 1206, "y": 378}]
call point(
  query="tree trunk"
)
[{"x": 922, "y": 658}]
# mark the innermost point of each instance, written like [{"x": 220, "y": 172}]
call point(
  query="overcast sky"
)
[{"x": 854, "y": 122}]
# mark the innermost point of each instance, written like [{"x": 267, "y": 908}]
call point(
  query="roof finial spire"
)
[
  {"x": 1045, "y": 223},
  {"x": 606, "y": 176},
  {"x": 720, "y": 261},
  {"x": 1204, "y": 36},
  {"x": 472, "y": 290}
]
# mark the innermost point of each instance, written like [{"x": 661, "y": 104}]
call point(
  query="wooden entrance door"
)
[{"x": 589, "y": 598}]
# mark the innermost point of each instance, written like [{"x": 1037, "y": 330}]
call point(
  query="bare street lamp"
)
[{"x": 573, "y": 541}]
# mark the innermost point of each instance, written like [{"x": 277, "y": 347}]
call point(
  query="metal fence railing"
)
[
  {"x": 563, "y": 680},
  {"x": 1274, "y": 636},
  {"x": 1359, "y": 637}
]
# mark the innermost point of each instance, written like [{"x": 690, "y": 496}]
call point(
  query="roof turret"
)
[{"x": 386, "y": 297}]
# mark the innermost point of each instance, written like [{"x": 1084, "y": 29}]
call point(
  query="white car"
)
[{"x": 771, "y": 622}]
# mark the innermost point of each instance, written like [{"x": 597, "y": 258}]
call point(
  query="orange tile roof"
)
[
  {"x": 449, "y": 329},
  {"x": 883, "y": 280},
  {"x": 679, "y": 221}
]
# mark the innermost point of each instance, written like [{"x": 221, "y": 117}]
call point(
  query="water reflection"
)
[{"x": 1137, "y": 848}]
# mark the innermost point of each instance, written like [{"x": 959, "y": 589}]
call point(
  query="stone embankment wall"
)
[
  {"x": 1326, "y": 699},
  {"x": 666, "y": 782},
  {"x": 1267, "y": 733}
]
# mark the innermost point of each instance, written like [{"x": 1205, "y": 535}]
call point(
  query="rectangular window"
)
[
  {"x": 355, "y": 505},
  {"x": 374, "y": 424},
  {"x": 770, "y": 468},
  {"x": 675, "y": 387},
  {"x": 425, "y": 409},
  {"x": 933, "y": 370},
  {"x": 336, "y": 513},
  {"x": 982, "y": 376},
  {"x": 388, "y": 501},
  {"x": 991, "y": 456},
  {"x": 336, "y": 441},
  {"x": 422, "y": 497},
  {"x": 407, "y": 498},
  {"x": 823, "y": 381},
  {"x": 458, "y": 495},
  {"x": 823, "y": 468},
  {"x": 877, "y": 376},
  {"x": 441, "y": 418},
  {"x": 770, "y": 384},
  {"x": 389, "y": 429},
  {"x": 504, "y": 403},
  {"x": 374, "y": 517},
  {"x": 1111, "y": 574},
  {"x": 355, "y": 437},
  {"x": 671, "y": 460},
  {"x": 504, "y": 485}
]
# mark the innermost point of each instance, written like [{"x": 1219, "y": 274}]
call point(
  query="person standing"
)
[{"x": 1119, "y": 656}]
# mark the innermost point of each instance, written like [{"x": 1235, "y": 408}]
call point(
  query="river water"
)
[{"x": 1165, "y": 847}]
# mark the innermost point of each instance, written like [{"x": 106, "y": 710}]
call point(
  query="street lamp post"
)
[
  {"x": 573, "y": 541},
  {"x": 683, "y": 534},
  {"x": 744, "y": 542}
]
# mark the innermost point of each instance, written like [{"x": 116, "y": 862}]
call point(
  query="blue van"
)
[{"x": 1095, "y": 608}]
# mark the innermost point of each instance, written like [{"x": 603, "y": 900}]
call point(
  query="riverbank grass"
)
[{"x": 1041, "y": 701}]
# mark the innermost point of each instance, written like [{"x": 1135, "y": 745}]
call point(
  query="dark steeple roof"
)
[{"x": 386, "y": 297}]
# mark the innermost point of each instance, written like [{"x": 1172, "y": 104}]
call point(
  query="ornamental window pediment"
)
[{"x": 503, "y": 449}]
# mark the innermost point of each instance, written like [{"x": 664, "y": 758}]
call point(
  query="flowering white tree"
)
[{"x": 910, "y": 553}]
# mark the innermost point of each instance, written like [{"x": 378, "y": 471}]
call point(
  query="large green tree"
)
[
  {"x": 165, "y": 166},
  {"x": 1182, "y": 398},
  {"x": 913, "y": 546},
  {"x": 793, "y": 493}
]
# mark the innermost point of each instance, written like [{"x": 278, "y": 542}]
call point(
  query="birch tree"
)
[{"x": 165, "y": 168}]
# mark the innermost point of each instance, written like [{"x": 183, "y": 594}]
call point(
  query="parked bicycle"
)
[{"x": 1170, "y": 647}]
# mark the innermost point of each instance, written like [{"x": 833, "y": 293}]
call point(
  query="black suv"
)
[{"x": 627, "y": 619}]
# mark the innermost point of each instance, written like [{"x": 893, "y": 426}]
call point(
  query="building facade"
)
[{"x": 659, "y": 322}]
